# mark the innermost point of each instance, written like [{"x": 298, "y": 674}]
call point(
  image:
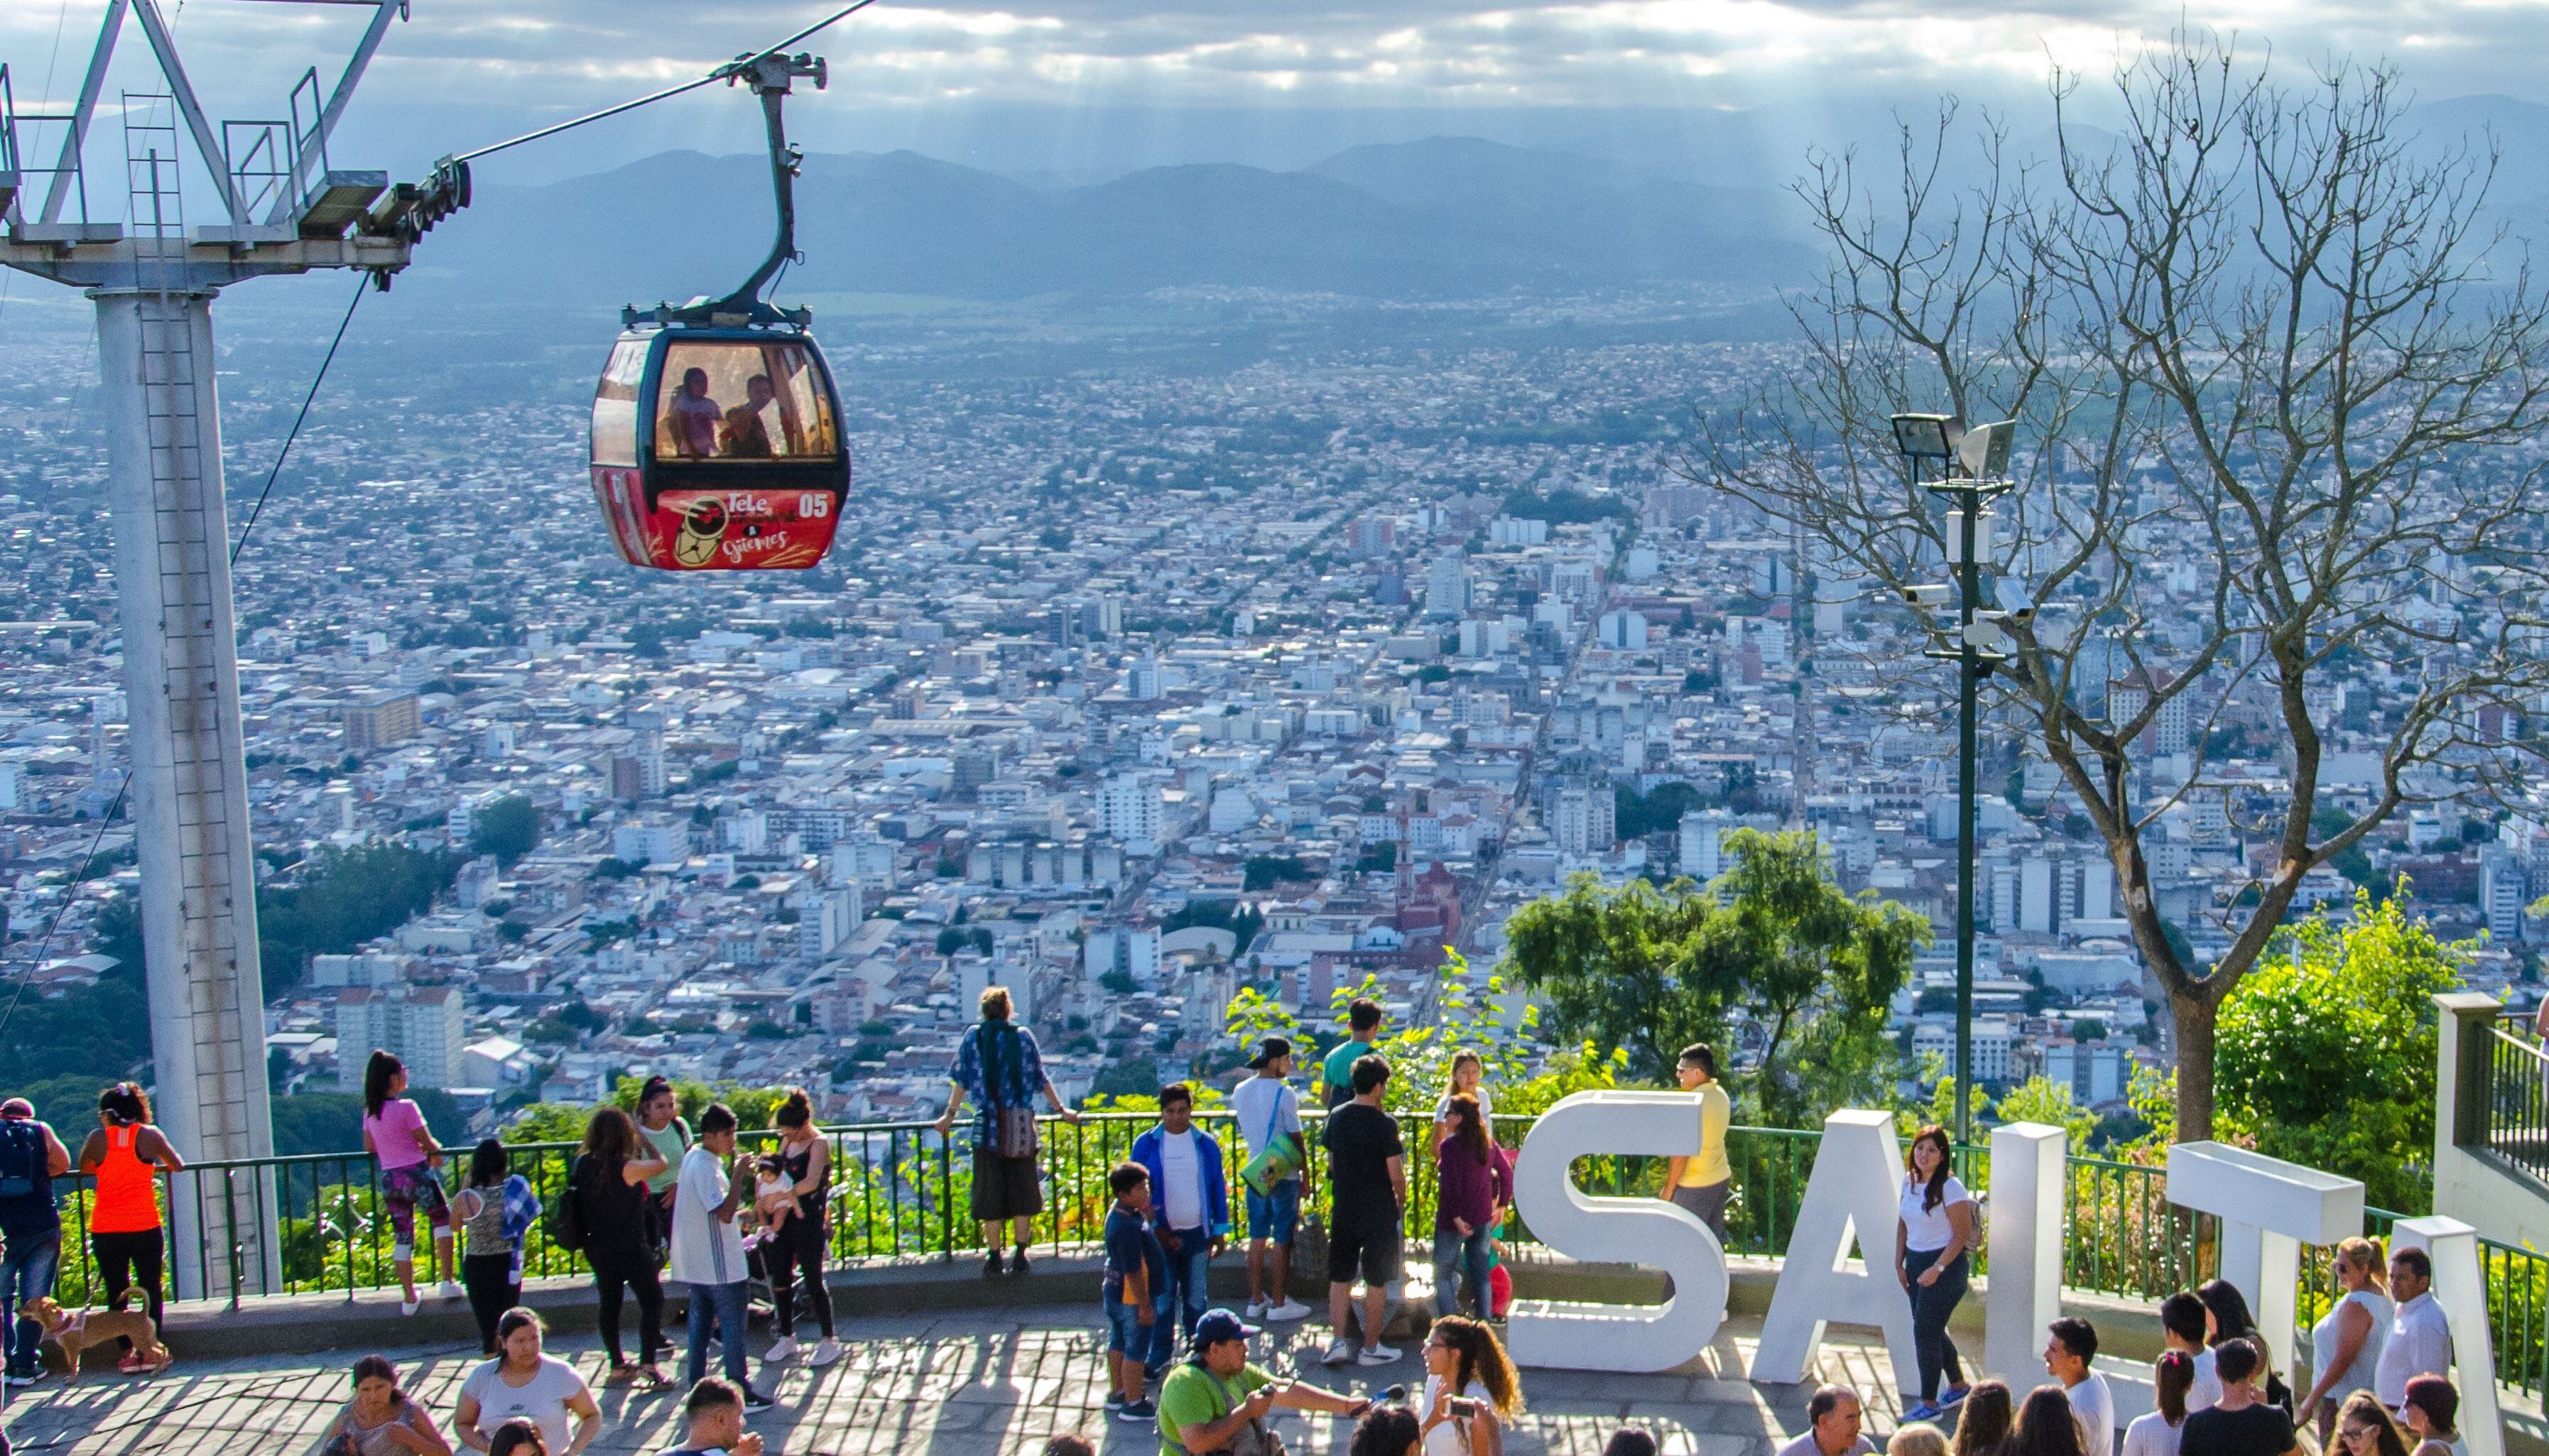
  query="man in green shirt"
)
[
  {"x": 1216, "y": 1395},
  {"x": 1336, "y": 1074}
]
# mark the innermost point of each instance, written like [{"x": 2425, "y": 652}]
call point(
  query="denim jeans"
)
[
  {"x": 723, "y": 1308},
  {"x": 1455, "y": 1255},
  {"x": 1276, "y": 1215},
  {"x": 26, "y": 1272},
  {"x": 1126, "y": 1336},
  {"x": 1931, "y": 1308},
  {"x": 1188, "y": 1263}
]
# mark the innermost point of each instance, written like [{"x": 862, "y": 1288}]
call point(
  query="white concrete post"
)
[
  {"x": 189, "y": 790},
  {"x": 1854, "y": 1193},
  {"x": 1633, "y": 1230},
  {"x": 2028, "y": 1161},
  {"x": 2460, "y": 1288},
  {"x": 2268, "y": 1210}
]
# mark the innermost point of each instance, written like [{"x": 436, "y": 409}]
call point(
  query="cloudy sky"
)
[{"x": 1093, "y": 83}]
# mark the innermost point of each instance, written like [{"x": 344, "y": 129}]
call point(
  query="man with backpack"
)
[
  {"x": 31, "y": 1230},
  {"x": 998, "y": 1064}
]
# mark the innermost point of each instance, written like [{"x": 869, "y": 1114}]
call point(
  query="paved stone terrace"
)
[{"x": 969, "y": 1383}]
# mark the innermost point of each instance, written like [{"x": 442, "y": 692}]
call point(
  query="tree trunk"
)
[{"x": 2194, "y": 1016}]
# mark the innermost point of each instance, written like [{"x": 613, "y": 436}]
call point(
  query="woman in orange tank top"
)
[{"x": 126, "y": 1155}]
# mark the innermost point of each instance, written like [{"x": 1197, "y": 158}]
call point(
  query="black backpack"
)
[
  {"x": 566, "y": 1217},
  {"x": 23, "y": 1165}
]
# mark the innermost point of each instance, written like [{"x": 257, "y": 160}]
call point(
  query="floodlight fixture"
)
[{"x": 1927, "y": 436}]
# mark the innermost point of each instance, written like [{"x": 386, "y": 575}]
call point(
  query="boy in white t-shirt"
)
[{"x": 2070, "y": 1346}]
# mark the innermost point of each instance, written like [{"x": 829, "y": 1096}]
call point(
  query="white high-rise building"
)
[
  {"x": 2038, "y": 908},
  {"x": 1446, "y": 585},
  {"x": 1624, "y": 630},
  {"x": 423, "y": 1025},
  {"x": 1142, "y": 679},
  {"x": 650, "y": 841},
  {"x": 2504, "y": 881},
  {"x": 1703, "y": 842},
  {"x": 1131, "y": 807},
  {"x": 1582, "y": 822}
]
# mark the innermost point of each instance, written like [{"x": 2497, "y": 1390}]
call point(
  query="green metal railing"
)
[{"x": 899, "y": 1190}]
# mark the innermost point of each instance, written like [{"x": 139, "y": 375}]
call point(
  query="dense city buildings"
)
[{"x": 1125, "y": 689}]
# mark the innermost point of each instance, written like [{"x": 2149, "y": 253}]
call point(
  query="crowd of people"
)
[{"x": 651, "y": 1198}]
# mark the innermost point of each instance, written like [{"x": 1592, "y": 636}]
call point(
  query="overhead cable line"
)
[{"x": 723, "y": 72}]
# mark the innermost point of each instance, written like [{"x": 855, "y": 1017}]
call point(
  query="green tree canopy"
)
[
  {"x": 2326, "y": 1050},
  {"x": 1775, "y": 944},
  {"x": 507, "y": 828}
]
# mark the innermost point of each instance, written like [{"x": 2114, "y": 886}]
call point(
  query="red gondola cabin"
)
[{"x": 719, "y": 449}]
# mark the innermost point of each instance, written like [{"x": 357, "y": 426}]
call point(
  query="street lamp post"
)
[{"x": 1973, "y": 466}]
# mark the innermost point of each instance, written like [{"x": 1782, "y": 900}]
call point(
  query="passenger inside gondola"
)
[
  {"x": 695, "y": 418},
  {"x": 745, "y": 435}
]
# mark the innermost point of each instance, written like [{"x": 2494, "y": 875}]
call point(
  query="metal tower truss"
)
[{"x": 282, "y": 209}]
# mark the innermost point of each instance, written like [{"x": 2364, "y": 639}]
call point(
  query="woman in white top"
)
[
  {"x": 523, "y": 1381},
  {"x": 2347, "y": 1340},
  {"x": 1470, "y": 1389},
  {"x": 2156, "y": 1434},
  {"x": 1470, "y": 1075},
  {"x": 1933, "y": 1240}
]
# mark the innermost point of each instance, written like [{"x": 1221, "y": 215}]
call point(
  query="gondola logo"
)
[{"x": 704, "y": 524}]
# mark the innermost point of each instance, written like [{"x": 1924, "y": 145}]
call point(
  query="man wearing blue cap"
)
[{"x": 1216, "y": 1396}]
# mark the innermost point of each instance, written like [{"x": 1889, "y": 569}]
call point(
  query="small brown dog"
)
[{"x": 75, "y": 1331}]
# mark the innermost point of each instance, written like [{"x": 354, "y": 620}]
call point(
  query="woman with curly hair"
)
[{"x": 1470, "y": 1389}]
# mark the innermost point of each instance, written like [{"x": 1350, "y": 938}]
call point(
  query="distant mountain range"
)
[{"x": 1447, "y": 217}]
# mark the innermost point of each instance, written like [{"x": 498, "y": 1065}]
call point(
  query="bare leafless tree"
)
[{"x": 2283, "y": 395}]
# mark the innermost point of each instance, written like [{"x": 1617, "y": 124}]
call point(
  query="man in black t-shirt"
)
[{"x": 1367, "y": 1178}]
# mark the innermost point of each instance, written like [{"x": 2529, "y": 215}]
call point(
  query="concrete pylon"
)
[{"x": 189, "y": 788}]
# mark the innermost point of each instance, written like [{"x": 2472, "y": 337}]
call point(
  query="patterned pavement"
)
[{"x": 971, "y": 1383}]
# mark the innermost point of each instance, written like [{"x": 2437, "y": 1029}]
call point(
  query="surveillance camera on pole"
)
[{"x": 1928, "y": 594}]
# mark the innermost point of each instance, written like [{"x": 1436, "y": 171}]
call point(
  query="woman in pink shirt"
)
[{"x": 394, "y": 1133}]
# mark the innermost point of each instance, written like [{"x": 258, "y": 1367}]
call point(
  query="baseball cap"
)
[
  {"x": 1268, "y": 1049},
  {"x": 1214, "y": 1326}
]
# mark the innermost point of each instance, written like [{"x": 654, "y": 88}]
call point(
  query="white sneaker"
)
[
  {"x": 786, "y": 1349},
  {"x": 1341, "y": 1351},
  {"x": 450, "y": 1291},
  {"x": 1378, "y": 1355},
  {"x": 1256, "y": 1309},
  {"x": 407, "y": 1306},
  {"x": 825, "y": 1354},
  {"x": 1288, "y": 1309}
]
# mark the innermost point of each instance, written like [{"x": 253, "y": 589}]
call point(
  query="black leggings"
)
[
  {"x": 122, "y": 1257},
  {"x": 800, "y": 1246},
  {"x": 614, "y": 1276},
  {"x": 493, "y": 1290},
  {"x": 1932, "y": 1306}
]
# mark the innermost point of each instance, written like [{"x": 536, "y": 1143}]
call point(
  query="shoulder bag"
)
[
  {"x": 1254, "y": 1440},
  {"x": 1279, "y": 1154}
]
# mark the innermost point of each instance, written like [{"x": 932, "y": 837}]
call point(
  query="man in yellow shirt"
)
[{"x": 1701, "y": 1184}]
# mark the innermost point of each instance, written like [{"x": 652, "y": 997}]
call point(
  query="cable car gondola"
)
[{"x": 717, "y": 429}]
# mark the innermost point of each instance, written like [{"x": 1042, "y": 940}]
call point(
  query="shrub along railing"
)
[{"x": 899, "y": 1190}]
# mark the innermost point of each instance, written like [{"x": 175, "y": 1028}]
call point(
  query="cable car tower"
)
[
  {"x": 777, "y": 465},
  {"x": 282, "y": 209}
]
